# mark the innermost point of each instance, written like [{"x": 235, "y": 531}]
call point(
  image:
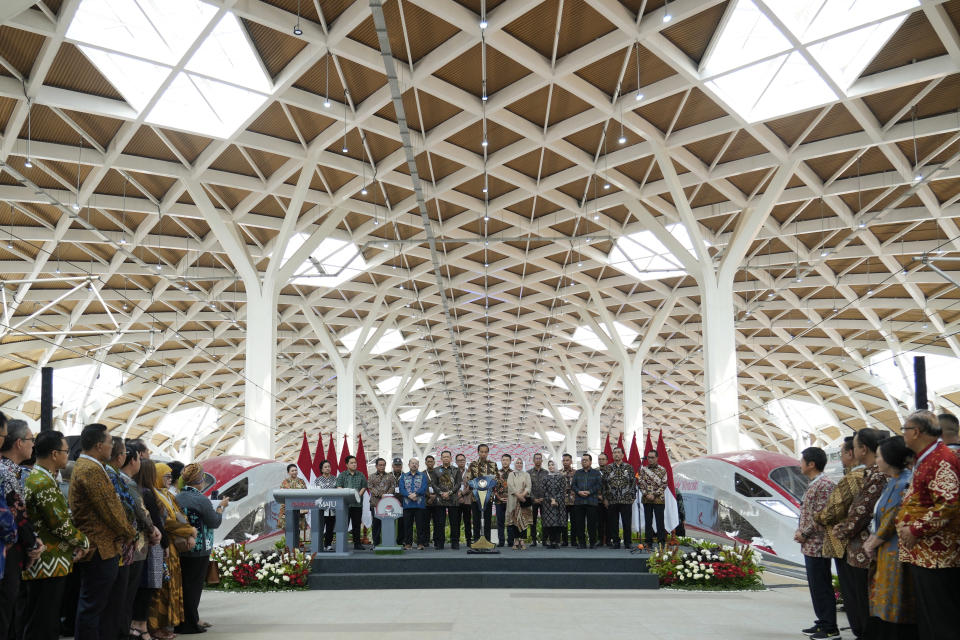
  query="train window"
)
[
  {"x": 237, "y": 491},
  {"x": 730, "y": 521},
  {"x": 791, "y": 480},
  {"x": 749, "y": 488},
  {"x": 208, "y": 481}
]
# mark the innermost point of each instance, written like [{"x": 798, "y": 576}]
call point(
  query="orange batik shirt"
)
[{"x": 931, "y": 507}]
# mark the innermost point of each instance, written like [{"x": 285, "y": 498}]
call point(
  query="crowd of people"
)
[
  {"x": 891, "y": 527},
  {"x": 598, "y": 502},
  {"x": 101, "y": 542}
]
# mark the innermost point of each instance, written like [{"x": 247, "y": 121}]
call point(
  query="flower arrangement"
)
[
  {"x": 281, "y": 569},
  {"x": 707, "y": 566}
]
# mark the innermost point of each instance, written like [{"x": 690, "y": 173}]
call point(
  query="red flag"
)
[
  {"x": 303, "y": 462},
  {"x": 634, "y": 458},
  {"x": 332, "y": 457},
  {"x": 361, "y": 457},
  {"x": 344, "y": 452},
  {"x": 318, "y": 456},
  {"x": 647, "y": 448},
  {"x": 608, "y": 450},
  {"x": 671, "y": 516},
  {"x": 620, "y": 444}
]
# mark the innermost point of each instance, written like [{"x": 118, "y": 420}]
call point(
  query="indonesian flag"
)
[
  {"x": 304, "y": 463},
  {"x": 647, "y": 448},
  {"x": 608, "y": 450},
  {"x": 318, "y": 457},
  {"x": 332, "y": 457},
  {"x": 620, "y": 445},
  {"x": 671, "y": 514},
  {"x": 344, "y": 452},
  {"x": 361, "y": 457},
  {"x": 634, "y": 458},
  {"x": 366, "y": 517}
]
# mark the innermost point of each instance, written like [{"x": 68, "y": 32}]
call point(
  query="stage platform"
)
[{"x": 536, "y": 568}]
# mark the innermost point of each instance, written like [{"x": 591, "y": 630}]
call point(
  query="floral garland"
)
[
  {"x": 707, "y": 566},
  {"x": 281, "y": 569}
]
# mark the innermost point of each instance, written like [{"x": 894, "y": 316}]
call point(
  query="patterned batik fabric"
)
[
  {"x": 891, "y": 587},
  {"x": 814, "y": 500},
  {"x": 619, "y": 483},
  {"x": 381, "y": 484},
  {"x": 836, "y": 510},
  {"x": 447, "y": 480},
  {"x": 553, "y": 511},
  {"x": 287, "y": 483},
  {"x": 652, "y": 483},
  {"x": 931, "y": 507},
  {"x": 854, "y": 530},
  {"x": 47, "y": 510},
  {"x": 568, "y": 474}
]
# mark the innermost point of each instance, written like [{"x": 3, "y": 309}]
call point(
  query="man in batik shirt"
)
[
  {"x": 854, "y": 529},
  {"x": 928, "y": 525},
  {"x": 537, "y": 477},
  {"x": 381, "y": 483},
  {"x": 465, "y": 503},
  {"x": 652, "y": 484},
  {"x": 567, "y": 471},
  {"x": 619, "y": 492},
  {"x": 810, "y": 535},
  {"x": 482, "y": 466},
  {"x": 447, "y": 480},
  {"x": 500, "y": 498},
  {"x": 836, "y": 510}
]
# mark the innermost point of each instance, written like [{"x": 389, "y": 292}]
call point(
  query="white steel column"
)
[
  {"x": 720, "y": 365},
  {"x": 632, "y": 402}
]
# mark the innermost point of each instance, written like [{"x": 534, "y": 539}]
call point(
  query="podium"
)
[{"x": 315, "y": 500}]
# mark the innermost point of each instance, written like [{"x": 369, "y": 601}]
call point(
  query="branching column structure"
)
[
  {"x": 590, "y": 410},
  {"x": 387, "y": 409},
  {"x": 348, "y": 367},
  {"x": 716, "y": 288}
]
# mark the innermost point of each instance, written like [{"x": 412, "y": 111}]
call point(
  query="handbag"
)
[
  {"x": 153, "y": 570},
  {"x": 526, "y": 502},
  {"x": 213, "y": 572}
]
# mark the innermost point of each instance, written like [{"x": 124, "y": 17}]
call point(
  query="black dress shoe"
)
[
  {"x": 565, "y": 544},
  {"x": 454, "y": 545},
  {"x": 500, "y": 544}
]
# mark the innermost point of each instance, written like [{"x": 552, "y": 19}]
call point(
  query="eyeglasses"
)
[
  {"x": 28, "y": 439},
  {"x": 909, "y": 429},
  {"x": 63, "y": 450}
]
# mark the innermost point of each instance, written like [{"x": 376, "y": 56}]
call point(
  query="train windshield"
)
[{"x": 791, "y": 480}]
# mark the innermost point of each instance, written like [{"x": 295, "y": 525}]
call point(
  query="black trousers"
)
[
  {"x": 564, "y": 528},
  {"x": 487, "y": 519},
  {"x": 377, "y": 527},
  {"x": 516, "y": 534},
  {"x": 194, "y": 572},
  {"x": 651, "y": 511},
  {"x": 43, "y": 598},
  {"x": 355, "y": 514},
  {"x": 469, "y": 530},
  {"x": 110, "y": 625},
  {"x": 848, "y": 591},
  {"x": 858, "y": 607},
  {"x": 125, "y": 612},
  {"x": 938, "y": 601},
  {"x": 68, "y": 603},
  {"x": 584, "y": 514},
  {"x": 9, "y": 589},
  {"x": 537, "y": 507},
  {"x": 551, "y": 535},
  {"x": 502, "y": 533},
  {"x": 438, "y": 517},
  {"x": 420, "y": 516},
  {"x": 141, "y": 604},
  {"x": 452, "y": 515},
  {"x": 602, "y": 534},
  {"x": 820, "y": 583},
  {"x": 615, "y": 514},
  {"x": 96, "y": 584}
]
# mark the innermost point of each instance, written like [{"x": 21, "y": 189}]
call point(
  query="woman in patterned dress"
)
[
  {"x": 292, "y": 481},
  {"x": 518, "y": 516},
  {"x": 891, "y": 589},
  {"x": 553, "y": 510},
  {"x": 326, "y": 480}
]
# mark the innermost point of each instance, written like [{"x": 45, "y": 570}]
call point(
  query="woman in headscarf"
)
[
  {"x": 518, "y": 515},
  {"x": 166, "y": 610},
  {"x": 193, "y": 563}
]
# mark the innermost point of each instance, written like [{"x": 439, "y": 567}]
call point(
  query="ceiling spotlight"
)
[
  {"x": 484, "y": 189},
  {"x": 485, "y": 97},
  {"x": 639, "y": 96},
  {"x": 28, "y": 164},
  {"x": 326, "y": 103},
  {"x": 799, "y": 278},
  {"x": 376, "y": 222},
  {"x": 622, "y": 139},
  {"x": 363, "y": 191},
  {"x": 869, "y": 292},
  {"x": 771, "y": 294},
  {"x": 483, "y": 24},
  {"x": 344, "y": 149},
  {"x": 918, "y": 177},
  {"x": 861, "y": 225},
  {"x": 75, "y": 206},
  {"x": 596, "y": 216},
  {"x": 9, "y": 244},
  {"x": 484, "y": 143},
  {"x": 486, "y": 218},
  {"x": 123, "y": 240},
  {"x": 667, "y": 17},
  {"x": 384, "y": 245},
  {"x": 606, "y": 185},
  {"x": 824, "y": 253},
  {"x": 297, "y": 31},
  {"x": 159, "y": 267}
]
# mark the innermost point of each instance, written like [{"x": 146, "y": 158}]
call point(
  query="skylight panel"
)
[
  {"x": 390, "y": 386},
  {"x": 644, "y": 257},
  {"x": 424, "y": 438},
  {"x": 585, "y": 336},
  {"x": 796, "y": 87},
  {"x": 552, "y": 436},
  {"x": 137, "y": 80},
  {"x": 587, "y": 382},
  {"x": 183, "y": 97},
  {"x": 227, "y": 55},
  {"x": 567, "y": 413},
  {"x": 742, "y": 89},
  {"x": 331, "y": 264},
  {"x": 411, "y": 415},
  {"x": 391, "y": 339},
  {"x": 192, "y": 423},
  {"x": 812, "y": 20},
  {"x": 80, "y": 392},
  {"x": 747, "y": 35},
  {"x": 232, "y": 105},
  {"x": 846, "y": 56}
]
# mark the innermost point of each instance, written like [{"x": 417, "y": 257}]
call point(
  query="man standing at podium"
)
[
  {"x": 353, "y": 479},
  {"x": 482, "y": 467}
]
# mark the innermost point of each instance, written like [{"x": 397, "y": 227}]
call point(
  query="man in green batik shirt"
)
[{"x": 353, "y": 479}]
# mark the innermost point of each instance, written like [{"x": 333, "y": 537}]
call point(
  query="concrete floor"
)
[{"x": 669, "y": 615}]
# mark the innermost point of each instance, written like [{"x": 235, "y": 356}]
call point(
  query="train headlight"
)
[{"x": 779, "y": 507}]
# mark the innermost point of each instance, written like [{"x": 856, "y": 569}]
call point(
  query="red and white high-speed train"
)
[
  {"x": 748, "y": 496},
  {"x": 249, "y": 483}
]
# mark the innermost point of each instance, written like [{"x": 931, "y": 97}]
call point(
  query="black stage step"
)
[{"x": 531, "y": 569}]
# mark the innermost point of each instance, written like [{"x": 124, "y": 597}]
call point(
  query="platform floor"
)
[{"x": 523, "y": 613}]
